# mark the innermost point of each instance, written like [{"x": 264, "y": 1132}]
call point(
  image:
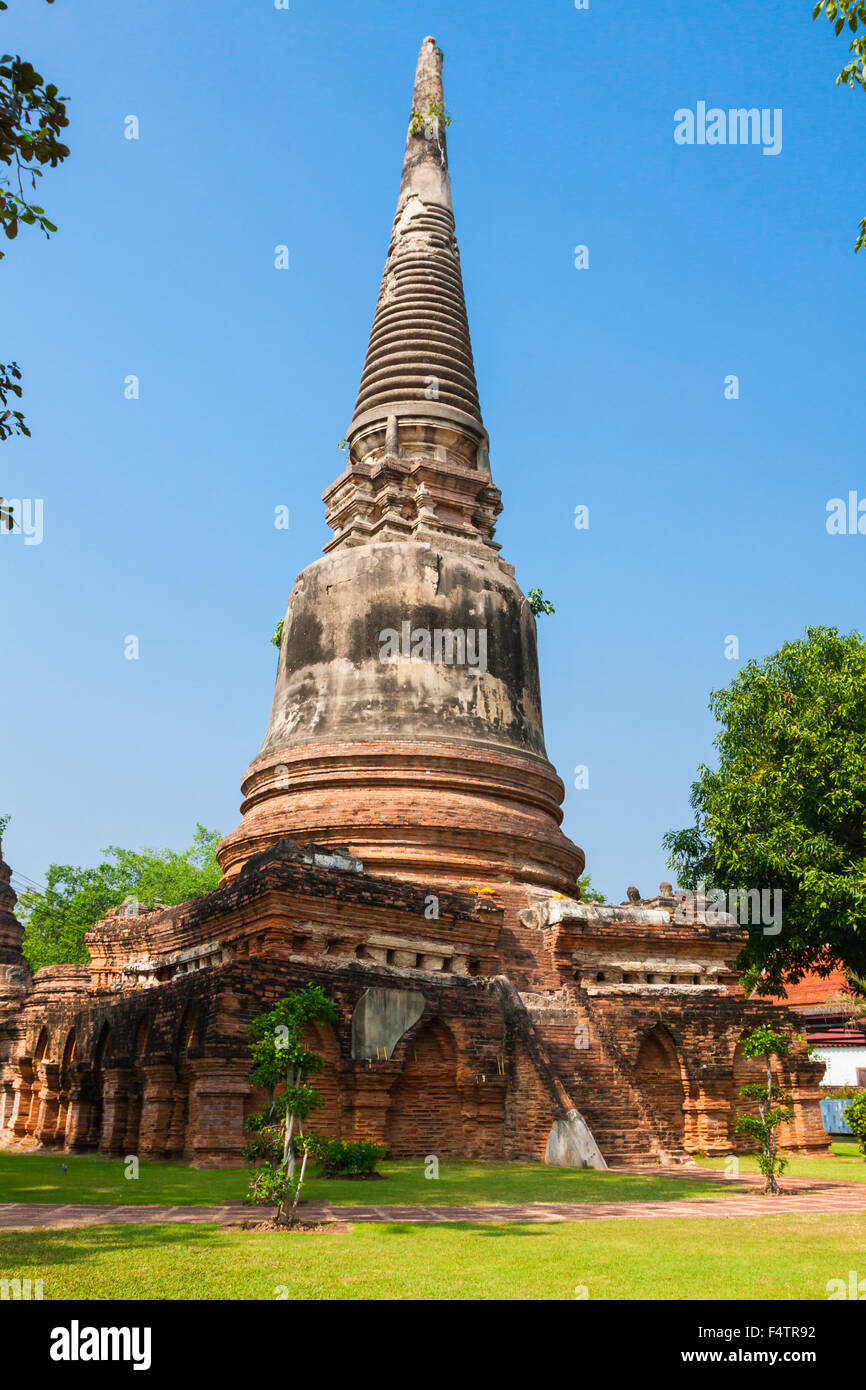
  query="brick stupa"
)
[
  {"x": 400, "y": 845},
  {"x": 430, "y": 769}
]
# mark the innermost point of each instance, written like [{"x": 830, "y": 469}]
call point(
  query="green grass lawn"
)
[
  {"x": 38, "y": 1178},
  {"x": 844, "y": 1164},
  {"x": 777, "y": 1257}
]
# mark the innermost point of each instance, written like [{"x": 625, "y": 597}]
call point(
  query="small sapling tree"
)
[
  {"x": 773, "y": 1104},
  {"x": 280, "y": 1059}
]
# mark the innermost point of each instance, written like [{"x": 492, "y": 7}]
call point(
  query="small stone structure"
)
[{"x": 400, "y": 845}]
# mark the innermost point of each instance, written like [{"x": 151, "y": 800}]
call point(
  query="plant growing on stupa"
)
[
  {"x": 774, "y": 1104},
  {"x": 282, "y": 1066},
  {"x": 589, "y": 894},
  {"x": 418, "y": 120},
  {"x": 538, "y": 603},
  {"x": 428, "y": 123}
]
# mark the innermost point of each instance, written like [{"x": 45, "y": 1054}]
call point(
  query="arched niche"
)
[
  {"x": 659, "y": 1077},
  {"x": 425, "y": 1114}
]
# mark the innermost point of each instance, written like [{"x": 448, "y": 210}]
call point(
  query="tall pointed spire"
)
[
  {"x": 418, "y": 464},
  {"x": 425, "y": 163},
  {"x": 11, "y": 930},
  {"x": 430, "y": 767},
  {"x": 14, "y": 971}
]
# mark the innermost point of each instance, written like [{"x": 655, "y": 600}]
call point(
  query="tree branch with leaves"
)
[
  {"x": 853, "y": 14},
  {"x": 32, "y": 120}
]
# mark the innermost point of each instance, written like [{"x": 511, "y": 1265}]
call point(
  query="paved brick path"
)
[{"x": 801, "y": 1196}]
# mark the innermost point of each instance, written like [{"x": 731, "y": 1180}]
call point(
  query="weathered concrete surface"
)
[
  {"x": 333, "y": 682},
  {"x": 570, "y": 1145},
  {"x": 380, "y": 1019}
]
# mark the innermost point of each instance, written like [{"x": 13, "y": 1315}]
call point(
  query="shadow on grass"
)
[
  {"x": 481, "y": 1228},
  {"x": 69, "y": 1247},
  {"x": 46, "y": 1249}
]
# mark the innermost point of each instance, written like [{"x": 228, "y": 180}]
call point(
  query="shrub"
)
[
  {"x": 345, "y": 1156},
  {"x": 855, "y": 1114}
]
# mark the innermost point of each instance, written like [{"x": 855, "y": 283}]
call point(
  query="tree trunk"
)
[
  {"x": 298, "y": 1188},
  {"x": 770, "y": 1184}
]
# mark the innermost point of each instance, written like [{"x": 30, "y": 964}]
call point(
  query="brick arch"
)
[
  {"x": 103, "y": 1048},
  {"x": 70, "y": 1050},
  {"x": 37, "y": 1118},
  {"x": 142, "y": 1043},
  {"x": 425, "y": 1114},
  {"x": 189, "y": 1033},
  {"x": 658, "y": 1074},
  {"x": 103, "y": 1051},
  {"x": 188, "y": 1037}
]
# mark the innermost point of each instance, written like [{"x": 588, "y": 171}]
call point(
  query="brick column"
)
[
  {"x": 157, "y": 1099},
  {"x": 22, "y": 1086},
  {"x": 131, "y": 1139},
  {"x": 366, "y": 1098},
  {"x": 115, "y": 1090},
  {"x": 177, "y": 1129},
  {"x": 806, "y": 1130},
  {"x": 45, "y": 1129},
  {"x": 78, "y": 1118},
  {"x": 217, "y": 1091},
  {"x": 482, "y": 1105},
  {"x": 30, "y": 1117},
  {"x": 707, "y": 1111},
  {"x": 7, "y": 1104}
]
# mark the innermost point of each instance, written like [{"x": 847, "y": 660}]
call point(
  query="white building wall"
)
[{"x": 842, "y": 1064}]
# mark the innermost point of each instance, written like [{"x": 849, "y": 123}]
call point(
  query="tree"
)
[
  {"x": 588, "y": 894},
  {"x": 56, "y": 918},
  {"x": 773, "y": 1104},
  {"x": 280, "y": 1058},
  {"x": 32, "y": 116},
  {"x": 852, "y": 13},
  {"x": 786, "y": 808},
  {"x": 855, "y": 1114}
]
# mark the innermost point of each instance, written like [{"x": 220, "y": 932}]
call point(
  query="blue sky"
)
[{"x": 602, "y": 387}]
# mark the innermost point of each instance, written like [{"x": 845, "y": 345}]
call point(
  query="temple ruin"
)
[{"x": 400, "y": 845}]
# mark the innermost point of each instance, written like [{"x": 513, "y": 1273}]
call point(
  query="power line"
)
[{"x": 28, "y": 882}]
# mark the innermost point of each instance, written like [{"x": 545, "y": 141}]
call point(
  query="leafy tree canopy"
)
[
  {"x": 56, "y": 918},
  {"x": 786, "y": 807}
]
